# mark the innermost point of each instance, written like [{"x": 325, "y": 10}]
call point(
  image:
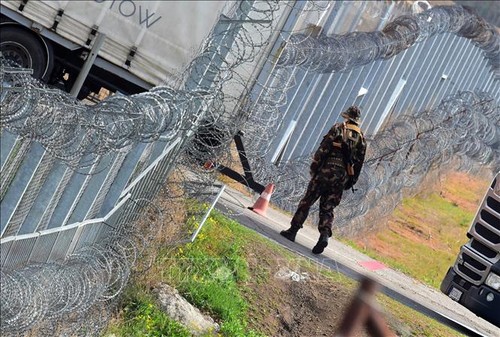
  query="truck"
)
[
  {"x": 144, "y": 43},
  {"x": 474, "y": 279}
]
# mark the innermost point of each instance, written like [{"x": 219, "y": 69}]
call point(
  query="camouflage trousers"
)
[{"x": 329, "y": 192}]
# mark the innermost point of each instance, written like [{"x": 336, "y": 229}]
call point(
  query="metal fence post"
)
[{"x": 82, "y": 75}]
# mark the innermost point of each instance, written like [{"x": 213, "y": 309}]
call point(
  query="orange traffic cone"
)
[
  {"x": 208, "y": 165},
  {"x": 261, "y": 204}
]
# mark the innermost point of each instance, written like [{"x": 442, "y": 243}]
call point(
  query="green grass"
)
[
  {"x": 435, "y": 208},
  {"x": 212, "y": 273},
  {"x": 142, "y": 318},
  {"x": 415, "y": 323},
  {"x": 441, "y": 228}
]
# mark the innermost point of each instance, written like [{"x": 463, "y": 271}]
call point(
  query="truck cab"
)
[{"x": 474, "y": 279}]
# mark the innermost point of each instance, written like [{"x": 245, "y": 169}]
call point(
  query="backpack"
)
[{"x": 351, "y": 135}]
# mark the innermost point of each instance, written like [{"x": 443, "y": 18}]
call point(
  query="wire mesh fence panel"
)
[
  {"x": 62, "y": 244},
  {"x": 19, "y": 252},
  {"x": 42, "y": 248},
  {"x": 282, "y": 73}
]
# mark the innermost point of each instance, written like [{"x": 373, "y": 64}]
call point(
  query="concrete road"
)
[{"x": 354, "y": 264}]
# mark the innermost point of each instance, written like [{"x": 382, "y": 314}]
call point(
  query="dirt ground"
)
[
  {"x": 461, "y": 189},
  {"x": 313, "y": 306},
  {"x": 476, "y": 186},
  {"x": 280, "y": 306}
]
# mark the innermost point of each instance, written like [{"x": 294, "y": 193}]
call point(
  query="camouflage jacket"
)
[{"x": 330, "y": 152}]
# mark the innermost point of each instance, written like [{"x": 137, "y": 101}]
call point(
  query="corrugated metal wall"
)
[
  {"x": 48, "y": 209},
  {"x": 40, "y": 193},
  {"x": 415, "y": 80}
]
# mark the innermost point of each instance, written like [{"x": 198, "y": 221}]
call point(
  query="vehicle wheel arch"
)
[{"x": 42, "y": 42}]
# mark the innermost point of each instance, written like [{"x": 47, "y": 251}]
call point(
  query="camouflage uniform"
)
[{"x": 329, "y": 177}]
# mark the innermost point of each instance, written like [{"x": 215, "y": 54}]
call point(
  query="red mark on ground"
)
[{"x": 372, "y": 265}]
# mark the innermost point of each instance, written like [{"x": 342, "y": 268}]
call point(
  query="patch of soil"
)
[
  {"x": 459, "y": 188},
  {"x": 463, "y": 190},
  {"x": 282, "y": 307}
]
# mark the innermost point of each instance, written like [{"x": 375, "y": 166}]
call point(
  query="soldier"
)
[{"x": 335, "y": 167}]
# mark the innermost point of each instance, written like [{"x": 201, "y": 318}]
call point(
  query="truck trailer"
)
[
  {"x": 474, "y": 279},
  {"x": 144, "y": 43}
]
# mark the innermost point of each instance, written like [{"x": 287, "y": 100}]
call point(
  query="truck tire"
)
[{"x": 28, "y": 50}]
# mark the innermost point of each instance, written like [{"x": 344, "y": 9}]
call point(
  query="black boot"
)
[
  {"x": 321, "y": 244},
  {"x": 290, "y": 233}
]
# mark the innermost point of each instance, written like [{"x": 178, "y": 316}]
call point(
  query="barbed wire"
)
[
  {"x": 340, "y": 53},
  {"x": 465, "y": 127},
  {"x": 46, "y": 297},
  {"x": 76, "y": 297},
  {"x": 79, "y": 134},
  {"x": 72, "y": 297}
]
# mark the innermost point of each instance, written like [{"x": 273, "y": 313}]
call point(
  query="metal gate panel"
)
[
  {"x": 41, "y": 206},
  {"x": 43, "y": 246},
  {"x": 128, "y": 169},
  {"x": 18, "y": 187},
  {"x": 62, "y": 244},
  {"x": 19, "y": 252}
]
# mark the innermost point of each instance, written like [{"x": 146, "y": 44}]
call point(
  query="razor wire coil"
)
[
  {"x": 77, "y": 290},
  {"x": 340, "y": 53}
]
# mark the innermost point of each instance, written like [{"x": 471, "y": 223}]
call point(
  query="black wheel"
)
[{"x": 26, "y": 49}]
